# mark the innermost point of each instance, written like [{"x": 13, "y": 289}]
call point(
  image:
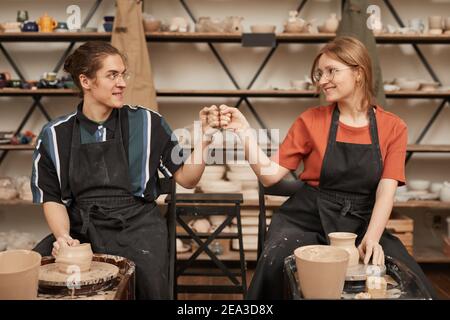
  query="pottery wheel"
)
[
  {"x": 100, "y": 272},
  {"x": 361, "y": 271}
]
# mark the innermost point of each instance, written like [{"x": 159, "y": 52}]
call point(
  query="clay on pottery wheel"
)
[
  {"x": 19, "y": 272},
  {"x": 321, "y": 271},
  {"x": 346, "y": 240},
  {"x": 69, "y": 258}
]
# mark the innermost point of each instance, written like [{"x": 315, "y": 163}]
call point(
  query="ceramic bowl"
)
[
  {"x": 418, "y": 185},
  {"x": 152, "y": 25},
  {"x": 410, "y": 85},
  {"x": 435, "y": 31},
  {"x": 72, "y": 259},
  {"x": 109, "y": 18},
  {"x": 294, "y": 27},
  {"x": 391, "y": 87},
  {"x": 429, "y": 86},
  {"x": 263, "y": 28},
  {"x": 299, "y": 84},
  {"x": 215, "y": 169},
  {"x": 217, "y": 220},
  {"x": 436, "y": 187}
]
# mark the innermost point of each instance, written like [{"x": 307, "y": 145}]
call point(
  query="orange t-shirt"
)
[{"x": 308, "y": 136}]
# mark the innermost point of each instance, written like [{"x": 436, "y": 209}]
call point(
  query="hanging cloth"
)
[
  {"x": 354, "y": 23},
  {"x": 128, "y": 36}
]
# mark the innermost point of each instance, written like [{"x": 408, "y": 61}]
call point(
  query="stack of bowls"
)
[{"x": 242, "y": 173}]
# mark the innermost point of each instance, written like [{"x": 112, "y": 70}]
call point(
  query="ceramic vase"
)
[{"x": 346, "y": 240}]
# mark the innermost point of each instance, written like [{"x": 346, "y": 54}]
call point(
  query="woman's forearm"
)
[
  {"x": 267, "y": 171},
  {"x": 382, "y": 209},
  {"x": 57, "y": 219}
]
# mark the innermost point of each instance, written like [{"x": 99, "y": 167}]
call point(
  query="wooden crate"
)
[{"x": 402, "y": 227}]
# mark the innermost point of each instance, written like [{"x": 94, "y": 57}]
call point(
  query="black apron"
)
[
  {"x": 343, "y": 202},
  {"x": 106, "y": 214}
]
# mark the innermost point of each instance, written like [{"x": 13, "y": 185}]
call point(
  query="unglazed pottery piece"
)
[
  {"x": 71, "y": 258},
  {"x": 445, "y": 192},
  {"x": 19, "y": 271},
  {"x": 50, "y": 276},
  {"x": 346, "y": 240},
  {"x": 321, "y": 271}
]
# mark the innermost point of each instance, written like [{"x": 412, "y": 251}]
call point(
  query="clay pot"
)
[
  {"x": 321, "y": 271},
  {"x": 434, "y": 22},
  {"x": 346, "y": 240},
  {"x": 445, "y": 192},
  {"x": 331, "y": 24},
  {"x": 19, "y": 274},
  {"x": 69, "y": 258},
  {"x": 297, "y": 26},
  {"x": 152, "y": 25}
]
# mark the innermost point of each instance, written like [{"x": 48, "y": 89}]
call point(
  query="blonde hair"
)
[{"x": 351, "y": 52}]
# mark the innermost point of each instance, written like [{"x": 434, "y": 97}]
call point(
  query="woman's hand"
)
[
  {"x": 232, "y": 119},
  {"x": 63, "y": 241},
  {"x": 371, "y": 248}
]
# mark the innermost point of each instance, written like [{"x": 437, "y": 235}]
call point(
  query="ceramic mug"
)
[
  {"x": 62, "y": 26},
  {"x": 417, "y": 25},
  {"x": 49, "y": 76}
]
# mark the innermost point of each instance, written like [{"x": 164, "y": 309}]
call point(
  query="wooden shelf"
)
[
  {"x": 16, "y": 202},
  {"x": 430, "y": 255},
  {"x": 37, "y": 92},
  {"x": 430, "y": 204},
  {"x": 212, "y": 37},
  {"x": 428, "y": 147},
  {"x": 228, "y": 93},
  {"x": 19, "y": 147}
]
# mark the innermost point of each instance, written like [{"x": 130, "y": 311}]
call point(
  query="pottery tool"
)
[{"x": 100, "y": 276}]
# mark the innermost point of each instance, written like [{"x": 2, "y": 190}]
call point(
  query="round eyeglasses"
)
[{"x": 328, "y": 73}]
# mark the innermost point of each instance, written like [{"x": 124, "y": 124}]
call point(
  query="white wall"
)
[{"x": 193, "y": 66}]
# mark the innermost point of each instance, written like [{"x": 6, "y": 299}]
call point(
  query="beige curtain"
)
[{"x": 129, "y": 37}]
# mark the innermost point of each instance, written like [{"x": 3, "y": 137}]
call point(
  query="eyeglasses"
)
[
  {"x": 115, "y": 76},
  {"x": 328, "y": 73}
]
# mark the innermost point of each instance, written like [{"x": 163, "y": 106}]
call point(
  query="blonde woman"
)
[{"x": 353, "y": 152}]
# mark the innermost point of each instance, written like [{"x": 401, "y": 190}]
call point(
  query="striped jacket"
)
[{"x": 148, "y": 143}]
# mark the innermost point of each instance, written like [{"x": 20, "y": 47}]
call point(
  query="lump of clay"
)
[{"x": 376, "y": 287}]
